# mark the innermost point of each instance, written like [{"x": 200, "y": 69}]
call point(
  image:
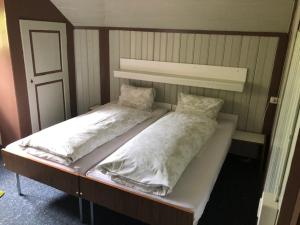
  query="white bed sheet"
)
[
  {"x": 74, "y": 138},
  {"x": 82, "y": 165},
  {"x": 196, "y": 184}
]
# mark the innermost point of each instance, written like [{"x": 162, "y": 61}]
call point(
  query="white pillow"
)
[
  {"x": 199, "y": 105},
  {"x": 137, "y": 97}
]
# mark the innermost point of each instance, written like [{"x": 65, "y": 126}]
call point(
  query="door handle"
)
[{"x": 31, "y": 81}]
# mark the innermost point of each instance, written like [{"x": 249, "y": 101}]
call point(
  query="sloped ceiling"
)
[{"x": 240, "y": 15}]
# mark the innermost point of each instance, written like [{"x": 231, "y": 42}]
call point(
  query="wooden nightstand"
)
[{"x": 253, "y": 138}]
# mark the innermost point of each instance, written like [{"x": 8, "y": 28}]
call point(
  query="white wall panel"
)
[
  {"x": 87, "y": 62},
  {"x": 253, "y": 52}
]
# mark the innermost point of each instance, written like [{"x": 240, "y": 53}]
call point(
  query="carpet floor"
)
[{"x": 234, "y": 200}]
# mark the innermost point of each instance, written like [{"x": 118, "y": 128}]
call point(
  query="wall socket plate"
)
[{"x": 274, "y": 100}]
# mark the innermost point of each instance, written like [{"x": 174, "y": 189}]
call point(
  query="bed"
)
[
  {"x": 185, "y": 204},
  {"x": 66, "y": 177}
]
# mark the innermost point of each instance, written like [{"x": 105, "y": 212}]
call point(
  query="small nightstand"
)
[{"x": 254, "y": 138}]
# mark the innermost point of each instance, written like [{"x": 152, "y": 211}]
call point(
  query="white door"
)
[{"x": 46, "y": 63}]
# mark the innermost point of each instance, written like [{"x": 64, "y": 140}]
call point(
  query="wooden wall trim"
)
[
  {"x": 104, "y": 65},
  {"x": 246, "y": 33}
]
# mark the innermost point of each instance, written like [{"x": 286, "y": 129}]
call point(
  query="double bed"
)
[
  {"x": 77, "y": 172},
  {"x": 184, "y": 205},
  {"x": 53, "y": 171}
]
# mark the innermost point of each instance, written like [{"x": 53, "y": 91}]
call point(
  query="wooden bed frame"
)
[
  {"x": 137, "y": 206},
  {"x": 48, "y": 174},
  {"x": 58, "y": 178}
]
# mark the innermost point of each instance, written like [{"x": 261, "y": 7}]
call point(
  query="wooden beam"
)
[{"x": 104, "y": 65}]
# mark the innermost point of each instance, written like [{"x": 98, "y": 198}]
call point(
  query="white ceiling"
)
[{"x": 240, "y": 15}]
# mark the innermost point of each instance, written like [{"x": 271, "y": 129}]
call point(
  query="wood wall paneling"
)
[
  {"x": 87, "y": 53},
  {"x": 125, "y": 48},
  {"x": 261, "y": 83},
  {"x": 114, "y": 53},
  {"x": 257, "y": 53}
]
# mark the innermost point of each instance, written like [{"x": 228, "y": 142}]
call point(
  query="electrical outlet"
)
[{"x": 274, "y": 100}]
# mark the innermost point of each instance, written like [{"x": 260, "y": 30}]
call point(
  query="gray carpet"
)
[
  {"x": 233, "y": 201},
  {"x": 40, "y": 204}
]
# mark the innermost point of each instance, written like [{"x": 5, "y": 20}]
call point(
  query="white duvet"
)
[
  {"x": 154, "y": 160},
  {"x": 74, "y": 138}
]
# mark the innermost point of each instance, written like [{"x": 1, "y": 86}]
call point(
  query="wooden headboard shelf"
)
[{"x": 214, "y": 77}]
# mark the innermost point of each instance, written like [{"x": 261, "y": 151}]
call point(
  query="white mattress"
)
[{"x": 195, "y": 186}]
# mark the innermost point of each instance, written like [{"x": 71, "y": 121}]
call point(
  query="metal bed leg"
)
[
  {"x": 80, "y": 210},
  {"x": 92, "y": 212},
  {"x": 18, "y": 184}
]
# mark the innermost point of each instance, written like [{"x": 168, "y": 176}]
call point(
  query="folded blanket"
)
[
  {"x": 154, "y": 160},
  {"x": 77, "y": 137}
]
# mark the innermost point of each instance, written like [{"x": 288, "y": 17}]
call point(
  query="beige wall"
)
[{"x": 233, "y": 15}]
